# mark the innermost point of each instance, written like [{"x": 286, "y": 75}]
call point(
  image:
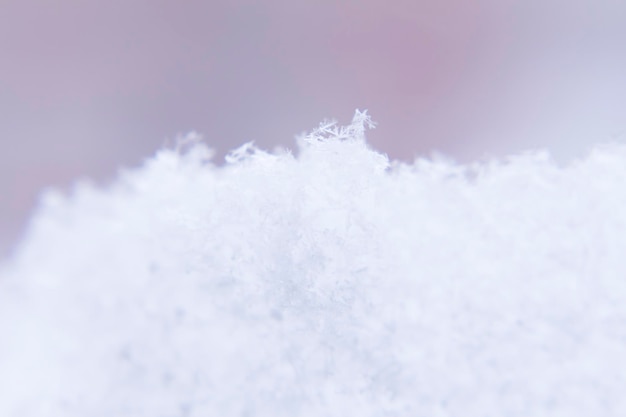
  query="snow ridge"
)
[{"x": 331, "y": 283}]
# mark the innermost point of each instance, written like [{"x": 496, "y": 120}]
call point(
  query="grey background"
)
[{"x": 89, "y": 86}]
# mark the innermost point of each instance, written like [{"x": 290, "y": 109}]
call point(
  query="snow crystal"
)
[{"x": 330, "y": 283}]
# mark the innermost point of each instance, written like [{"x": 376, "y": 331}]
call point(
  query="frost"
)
[{"x": 331, "y": 283}]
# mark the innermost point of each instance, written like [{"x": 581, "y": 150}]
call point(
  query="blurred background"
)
[{"x": 87, "y": 87}]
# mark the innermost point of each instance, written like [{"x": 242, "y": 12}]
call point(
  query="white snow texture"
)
[{"x": 331, "y": 283}]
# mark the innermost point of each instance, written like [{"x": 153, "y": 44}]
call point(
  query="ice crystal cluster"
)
[{"x": 328, "y": 283}]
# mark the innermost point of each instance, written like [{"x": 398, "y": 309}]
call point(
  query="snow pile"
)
[{"x": 333, "y": 283}]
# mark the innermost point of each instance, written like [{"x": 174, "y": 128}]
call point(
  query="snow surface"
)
[{"x": 331, "y": 283}]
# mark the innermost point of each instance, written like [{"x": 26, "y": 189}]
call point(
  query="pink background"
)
[{"x": 89, "y": 86}]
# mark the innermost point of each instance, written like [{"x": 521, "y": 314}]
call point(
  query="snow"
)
[{"x": 330, "y": 283}]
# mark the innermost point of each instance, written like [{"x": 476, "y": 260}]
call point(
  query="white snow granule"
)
[{"x": 331, "y": 283}]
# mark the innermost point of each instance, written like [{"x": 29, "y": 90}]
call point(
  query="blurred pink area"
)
[{"x": 89, "y": 86}]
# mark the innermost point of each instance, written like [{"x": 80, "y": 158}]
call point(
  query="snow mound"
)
[{"x": 331, "y": 283}]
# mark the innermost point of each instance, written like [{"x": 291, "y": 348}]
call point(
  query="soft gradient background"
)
[{"x": 89, "y": 86}]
